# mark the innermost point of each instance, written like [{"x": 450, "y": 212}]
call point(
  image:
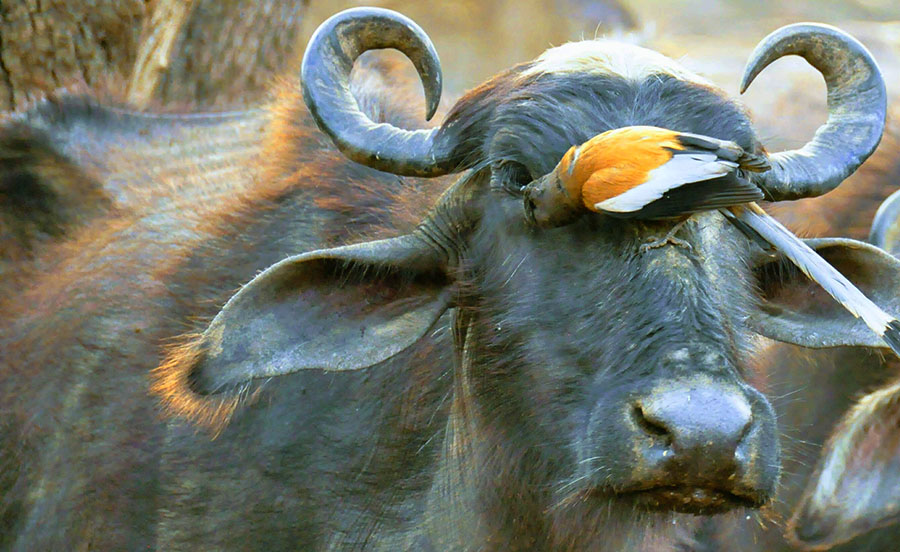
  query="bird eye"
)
[{"x": 511, "y": 177}]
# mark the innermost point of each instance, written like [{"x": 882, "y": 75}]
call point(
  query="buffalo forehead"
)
[
  {"x": 610, "y": 58},
  {"x": 592, "y": 271},
  {"x": 543, "y": 117}
]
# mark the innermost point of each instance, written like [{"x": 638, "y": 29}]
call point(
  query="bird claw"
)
[{"x": 668, "y": 239}]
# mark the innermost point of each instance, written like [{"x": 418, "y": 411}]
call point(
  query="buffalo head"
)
[{"x": 591, "y": 371}]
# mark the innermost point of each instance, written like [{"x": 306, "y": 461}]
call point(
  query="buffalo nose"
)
[{"x": 695, "y": 429}]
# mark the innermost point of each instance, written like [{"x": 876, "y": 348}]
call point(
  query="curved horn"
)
[
  {"x": 857, "y": 106},
  {"x": 325, "y": 79},
  {"x": 885, "y": 227}
]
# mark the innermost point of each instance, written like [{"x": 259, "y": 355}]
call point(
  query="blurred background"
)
[{"x": 223, "y": 54}]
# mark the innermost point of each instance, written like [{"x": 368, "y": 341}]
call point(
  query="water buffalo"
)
[{"x": 463, "y": 382}]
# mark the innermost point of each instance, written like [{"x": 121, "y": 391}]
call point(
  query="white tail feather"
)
[{"x": 815, "y": 267}]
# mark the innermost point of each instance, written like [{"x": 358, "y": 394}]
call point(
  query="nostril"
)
[
  {"x": 648, "y": 425},
  {"x": 696, "y": 421}
]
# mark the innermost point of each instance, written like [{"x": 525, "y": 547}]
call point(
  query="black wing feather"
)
[
  {"x": 724, "y": 150},
  {"x": 706, "y": 195}
]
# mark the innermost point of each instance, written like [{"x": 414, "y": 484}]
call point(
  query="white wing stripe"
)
[{"x": 681, "y": 169}]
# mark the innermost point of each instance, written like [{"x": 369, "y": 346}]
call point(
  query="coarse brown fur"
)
[
  {"x": 76, "y": 154},
  {"x": 111, "y": 328},
  {"x": 43, "y": 195},
  {"x": 69, "y": 162},
  {"x": 351, "y": 205}
]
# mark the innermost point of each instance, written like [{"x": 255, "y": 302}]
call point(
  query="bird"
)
[{"x": 647, "y": 172}]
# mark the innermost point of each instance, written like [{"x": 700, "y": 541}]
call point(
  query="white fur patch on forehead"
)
[{"x": 610, "y": 58}]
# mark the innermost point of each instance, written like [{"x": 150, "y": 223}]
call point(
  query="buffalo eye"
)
[{"x": 511, "y": 177}]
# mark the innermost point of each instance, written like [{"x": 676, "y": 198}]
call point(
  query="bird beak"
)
[{"x": 548, "y": 204}]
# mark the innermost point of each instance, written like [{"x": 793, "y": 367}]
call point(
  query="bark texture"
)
[
  {"x": 199, "y": 54},
  {"x": 227, "y": 52},
  {"x": 48, "y": 44}
]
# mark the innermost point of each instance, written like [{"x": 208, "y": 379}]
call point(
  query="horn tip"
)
[
  {"x": 433, "y": 88},
  {"x": 747, "y": 79},
  {"x": 754, "y": 66},
  {"x": 432, "y": 107}
]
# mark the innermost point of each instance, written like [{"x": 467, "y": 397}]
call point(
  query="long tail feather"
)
[
  {"x": 817, "y": 269},
  {"x": 892, "y": 336},
  {"x": 749, "y": 232}
]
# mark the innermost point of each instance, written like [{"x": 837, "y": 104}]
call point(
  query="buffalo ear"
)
[
  {"x": 885, "y": 231},
  {"x": 856, "y": 485},
  {"x": 794, "y": 309},
  {"x": 334, "y": 309}
]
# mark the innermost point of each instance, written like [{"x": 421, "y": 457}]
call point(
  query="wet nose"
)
[{"x": 693, "y": 430}]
